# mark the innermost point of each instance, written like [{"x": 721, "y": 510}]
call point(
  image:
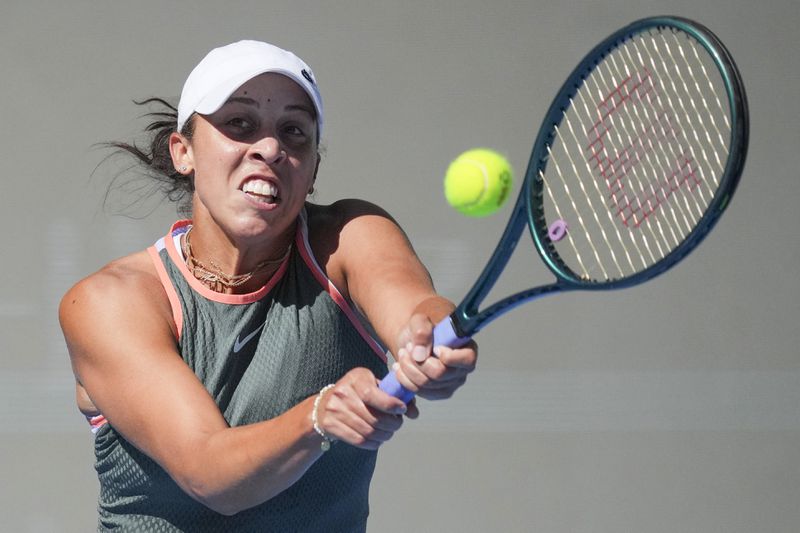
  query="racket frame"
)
[{"x": 467, "y": 320}]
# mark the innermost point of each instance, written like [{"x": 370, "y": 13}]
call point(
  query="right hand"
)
[{"x": 356, "y": 411}]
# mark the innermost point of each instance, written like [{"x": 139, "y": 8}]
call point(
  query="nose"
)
[{"x": 267, "y": 150}]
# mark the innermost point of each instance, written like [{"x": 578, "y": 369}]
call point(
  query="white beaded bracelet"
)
[{"x": 326, "y": 441}]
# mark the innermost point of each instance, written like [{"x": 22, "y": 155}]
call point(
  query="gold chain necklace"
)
[{"x": 214, "y": 277}]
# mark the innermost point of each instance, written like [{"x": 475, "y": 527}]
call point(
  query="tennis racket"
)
[{"x": 636, "y": 160}]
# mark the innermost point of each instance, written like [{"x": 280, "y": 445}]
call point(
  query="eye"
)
[
  {"x": 240, "y": 123},
  {"x": 295, "y": 134},
  {"x": 295, "y": 130}
]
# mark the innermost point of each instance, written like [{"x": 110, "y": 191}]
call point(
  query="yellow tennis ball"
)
[{"x": 477, "y": 182}]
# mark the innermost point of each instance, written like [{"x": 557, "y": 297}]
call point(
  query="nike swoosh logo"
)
[{"x": 239, "y": 344}]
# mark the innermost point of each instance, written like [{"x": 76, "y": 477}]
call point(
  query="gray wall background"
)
[{"x": 674, "y": 406}]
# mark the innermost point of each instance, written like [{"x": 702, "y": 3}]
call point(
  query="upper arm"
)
[
  {"x": 382, "y": 273},
  {"x": 117, "y": 324}
]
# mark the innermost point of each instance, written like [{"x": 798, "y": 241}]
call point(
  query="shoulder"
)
[
  {"x": 331, "y": 223},
  {"x": 357, "y": 240},
  {"x": 130, "y": 273},
  {"x": 349, "y": 235},
  {"x": 121, "y": 289},
  {"x": 348, "y": 227},
  {"x": 342, "y": 212}
]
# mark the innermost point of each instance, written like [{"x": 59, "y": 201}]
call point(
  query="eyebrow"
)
[
  {"x": 301, "y": 107},
  {"x": 243, "y": 100},
  {"x": 252, "y": 102}
]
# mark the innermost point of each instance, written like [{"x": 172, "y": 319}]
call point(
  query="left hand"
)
[{"x": 431, "y": 372}]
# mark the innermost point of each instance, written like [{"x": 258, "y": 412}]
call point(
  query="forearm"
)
[
  {"x": 237, "y": 468},
  {"x": 244, "y": 466}
]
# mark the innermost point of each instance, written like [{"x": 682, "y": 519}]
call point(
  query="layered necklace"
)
[{"x": 214, "y": 278}]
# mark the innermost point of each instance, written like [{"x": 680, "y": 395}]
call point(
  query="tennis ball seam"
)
[{"x": 485, "y": 189}]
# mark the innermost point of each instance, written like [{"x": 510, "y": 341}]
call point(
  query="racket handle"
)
[
  {"x": 391, "y": 386},
  {"x": 444, "y": 334}
]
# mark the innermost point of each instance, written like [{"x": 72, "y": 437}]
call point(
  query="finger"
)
[
  {"x": 463, "y": 358},
  {"x": 382, "y": 402},
  {"x": 381, "y": 430},
  {"x": 355, "y": 423},
  {"x": 416, "y": 376},
  {"x": 354, "y": 438},
  {"x": 407, "y": 372},
  {"x": 377, "y": 435},
  {"x": 421, "y": 333},
  {"x": 343, "y": 409},
  {"x": 431, "y": 380},
  {"x": 420, "y": 328},
  {"x": 413, "y": 410},
  {"x": 388, "y": 423},
  {"x": 420, "y": 353},
  {"x": 431, "y": 370},
  {"x": 441, "y": 393},
  {"x": 364, "y": 388}
]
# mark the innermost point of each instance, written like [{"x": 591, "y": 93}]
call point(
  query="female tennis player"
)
[{"x": 230, "y": 371}]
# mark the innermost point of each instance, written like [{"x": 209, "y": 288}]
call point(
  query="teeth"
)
[{"x": 260, "y": 187}]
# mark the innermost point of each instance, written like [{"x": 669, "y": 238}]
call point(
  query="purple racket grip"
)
[
  {"x": 391, "y": 386},
  {"x": 444, "y": 334}
]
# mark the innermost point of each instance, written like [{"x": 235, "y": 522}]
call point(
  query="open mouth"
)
[{"x": 261, "y": 191}]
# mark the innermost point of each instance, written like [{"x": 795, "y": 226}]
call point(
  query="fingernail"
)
[
  {"x": 419, "y": 353},
  {"x": 396, "y": 367},
  {"x": 437, "y": 351}
]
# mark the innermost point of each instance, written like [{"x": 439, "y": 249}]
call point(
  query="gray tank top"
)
[{"x": 258, "y": 355}]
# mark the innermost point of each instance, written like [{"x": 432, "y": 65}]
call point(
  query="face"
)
[{"x": 255, "y": 159}]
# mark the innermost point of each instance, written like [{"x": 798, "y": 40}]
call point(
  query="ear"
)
[
  {"x": 181, "y": 152},
  {"x": 314, "y": 178},
  {"x": 316, "y": 169}
]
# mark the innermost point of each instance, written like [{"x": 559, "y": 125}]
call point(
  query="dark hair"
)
[
  {"x": 153, "y": 159},
  {"x": 154, "y": 156}
]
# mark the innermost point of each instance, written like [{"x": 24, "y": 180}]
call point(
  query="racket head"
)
[{"x": 638, "y": 156}]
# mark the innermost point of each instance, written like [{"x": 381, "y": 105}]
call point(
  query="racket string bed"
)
[
  {"x": 691, "y": 209},
  {"x": 693, "y": 101},
  {"x": 583, "y": 176},
  {"x": 578, "y": 215},
  {"x": 674, "y": 89},
  {"x": 721, "y": 146},
  {"x": 657, "y": 142},
  {"x": 697, "y": 121},
  {"x": 633, "y": 154},
  {"x": 609, "y": 213},
  {"x": 592, "y": 121},
  {"x": 582, "y": 184},
  {"x": 656, "y": 131},
  {"x": 617, "y": 156},
  {"x": 708, "y": 113},
  {"x": 715, "y": 96},
  {"x": 576, "y": 172},
  {"x": 690, "y": 118},
  {"x": 661, "y": 135},
  {"x": 560, "y": 214}
]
